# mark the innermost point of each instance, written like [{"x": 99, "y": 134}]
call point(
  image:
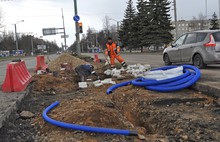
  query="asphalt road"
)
[
  {"x": 156, "y": 60},
  {"x": 30, "y": 63}
]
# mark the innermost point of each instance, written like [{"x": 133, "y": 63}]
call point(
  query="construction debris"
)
[
  {"x": 97, "y": 83},
  {"x": 26, "y": 115},
  {"x": 136, "y": 70},
  {"x": 82, "y": 84}
]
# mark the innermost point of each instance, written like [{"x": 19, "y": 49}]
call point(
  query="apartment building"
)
[{"x": 191, "y": 25}]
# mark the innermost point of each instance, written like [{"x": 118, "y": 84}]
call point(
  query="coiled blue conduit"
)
[
  {"x": 189, "y": 77},
  {"x": 83, "y": 128}
]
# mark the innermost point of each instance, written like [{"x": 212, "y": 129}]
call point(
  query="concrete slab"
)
[{"x": 8, "y": 103}]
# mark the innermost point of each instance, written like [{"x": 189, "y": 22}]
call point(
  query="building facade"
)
[{"x": 191, "y": 25}]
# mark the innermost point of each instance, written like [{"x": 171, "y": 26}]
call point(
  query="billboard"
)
[
  {"x": 49, "y": 31},
  {"x": 41, "y": 47}
]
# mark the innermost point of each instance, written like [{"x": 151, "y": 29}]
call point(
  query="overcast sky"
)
[{"x": 38, "y": 14}]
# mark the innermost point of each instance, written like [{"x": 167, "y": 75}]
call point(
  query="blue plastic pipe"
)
[
  {"x": 114, "y": 87},
  {"x": 146, "y": 82},
  {"x": 189, "y": 77},
  {"x": 83, "y": 128}
]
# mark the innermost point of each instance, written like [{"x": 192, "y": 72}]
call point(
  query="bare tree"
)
[
  {"x": 198, "y": 23},
  {"x": 202, "y": 20},
  {"x": 113, "y": 31},
  {"x": 106, "y": 25},
  {"x": 1, "y": 20}
]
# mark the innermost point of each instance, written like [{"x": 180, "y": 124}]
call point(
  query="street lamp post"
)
[{"x": 16, "y": 35}]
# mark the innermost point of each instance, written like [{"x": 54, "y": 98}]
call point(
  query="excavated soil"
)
[
  {"x": 65, "y": 58},
  {"x": 179, "y": 116},
  {"x": 51, "y": 85}
]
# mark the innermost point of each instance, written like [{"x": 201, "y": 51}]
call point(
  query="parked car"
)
[{"x": 199, "y": 48}]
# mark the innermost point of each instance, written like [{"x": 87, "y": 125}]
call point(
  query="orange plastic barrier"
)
[
  {"x": 17, "y": 77},
  {"x": 40, "y": 63},
  {"x": 96, "y": 59}
]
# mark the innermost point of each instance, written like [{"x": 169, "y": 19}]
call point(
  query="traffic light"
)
[{"x": 80, "y": 27}]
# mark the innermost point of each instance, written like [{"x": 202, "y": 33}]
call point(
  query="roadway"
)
[
  {"x": 30, "y": 63},
  {"x": 156, "y": 60}
]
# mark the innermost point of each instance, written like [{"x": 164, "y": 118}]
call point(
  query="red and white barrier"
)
[
  {"x": 17, "y": 77},
  {"x": 40, "y": 63}
]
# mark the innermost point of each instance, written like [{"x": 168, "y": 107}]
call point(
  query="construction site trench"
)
[{"x": 184, "y": 115}]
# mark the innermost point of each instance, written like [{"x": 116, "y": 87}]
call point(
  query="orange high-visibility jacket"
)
[{"x": 112, "y": 48}]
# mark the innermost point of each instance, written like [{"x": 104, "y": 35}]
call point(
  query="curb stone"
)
[
  {"x": 207, "y": 89},
  {"x": 13, "y": 105}
]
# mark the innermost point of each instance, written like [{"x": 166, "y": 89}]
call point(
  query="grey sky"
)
[{"x": 40, "y": 14}]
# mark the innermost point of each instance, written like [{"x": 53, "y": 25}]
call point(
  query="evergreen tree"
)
[
  {"x": 141, "y": 21},
  {"x": 214, "y": 22},
  {"x": 156, "y": 25},
  {"x": 145, "y": 10},
  {"x": 134, "y": 36},
  {"x": 126, "y": 30}
]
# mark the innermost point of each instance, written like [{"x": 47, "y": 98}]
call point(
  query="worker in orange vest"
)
[{"x": 113, "y": 50}]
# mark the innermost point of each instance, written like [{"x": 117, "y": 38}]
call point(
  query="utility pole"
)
[
  {"x": 206, "y": 9},
  {"x": 64, "y": 30},
  {"x": 16, "y": 34},
  {"x": 16, "y": 37},
  {"x": 219, "y": 9},
  {"x": 175, "y": 16},
  {"x": 32, "y": 46},
  {"x": 78, "y": 51}
]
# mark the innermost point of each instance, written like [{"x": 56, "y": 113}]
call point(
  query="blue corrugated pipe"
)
[
  {"x": 84, "y": 128},
  {"x": 189, "y": 77}
]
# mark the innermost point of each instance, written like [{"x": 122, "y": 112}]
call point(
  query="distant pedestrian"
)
[{"x": 113, "y": 51}]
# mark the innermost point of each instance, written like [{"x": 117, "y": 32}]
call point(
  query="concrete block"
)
[
  {"x": 82, "y": 84},
  {"x": 112, "y": 82},
  {"x": 106, "y": 81},
  {"x": 98, "y": 84}
]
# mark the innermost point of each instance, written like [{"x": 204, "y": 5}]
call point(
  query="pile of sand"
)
[{"x": 55, "y": 65}]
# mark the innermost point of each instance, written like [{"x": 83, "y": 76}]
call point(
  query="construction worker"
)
[
  {"x": 113, "y": 50},
  {"x": 83, "y": 71}
]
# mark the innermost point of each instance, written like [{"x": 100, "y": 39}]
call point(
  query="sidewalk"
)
[{"x": 208, "y": 84}]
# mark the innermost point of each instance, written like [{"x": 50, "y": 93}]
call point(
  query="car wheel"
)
[
  {"x": 198, "y": 61},
  {"x": 166, "y": 60}
]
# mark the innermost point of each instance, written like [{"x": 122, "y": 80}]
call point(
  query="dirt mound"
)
[
  {"x": 88, "y": 113},
  {"x": 55, "y": 65},
  {"x": 48, "y": 83}
]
